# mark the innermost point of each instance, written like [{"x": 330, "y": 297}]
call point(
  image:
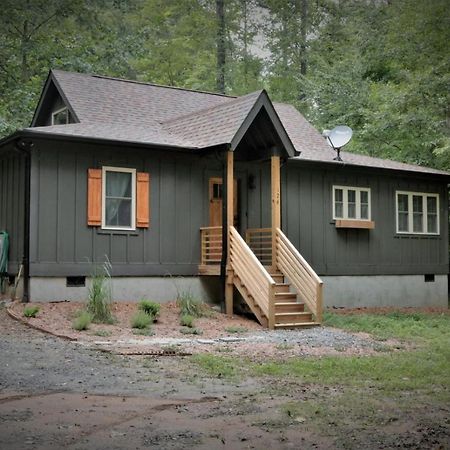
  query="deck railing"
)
[
  {"x": 258, "y": 282},
  {"x": 260, "y": 242},
  {"x": 301, "y": 275},
  {"x": 211, "y": 240}
]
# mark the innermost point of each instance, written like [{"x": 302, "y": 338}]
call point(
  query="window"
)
[
  {"x": 119, "y": 198},
  {"x": 61, "y": 117},
  {"x": 417, "y": 213},
  {"x": 351, "y": 203}
]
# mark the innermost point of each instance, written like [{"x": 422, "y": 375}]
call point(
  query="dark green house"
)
[{"x": 184, "y": 189}]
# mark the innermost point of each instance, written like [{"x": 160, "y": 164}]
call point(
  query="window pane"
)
[
  {"x": 118, "y": 184},
  {"x": 403, "y": 222},
  {"x": 351, "y": 196},
  {"x": 402, "y": 203},
  {"x": 217, "y": 191},
  {"x": 432, "y": 205},
  {"x": 339, "y": 210},
  {"x": 60, "y": 118},
  {"x": 364, "y": 197},
  {"x": 338, "y": 195},
  {"x": 417, "y": 203},
  {"x": 364, "y": 211},
  {"x": 118, "y": 212},
  {"x": 432, "y": 223}
]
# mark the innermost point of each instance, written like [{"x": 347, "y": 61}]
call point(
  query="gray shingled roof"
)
[{"x": 129, "y": 111}]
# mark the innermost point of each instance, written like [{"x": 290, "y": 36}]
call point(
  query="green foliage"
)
[
  {"x": 141, "y": 320},
  {"x": 190, "y": 330},
  {"x": 143, "y": 331},
  {"x": 99, "y": 301},
  {"x": 82, "y": 321},
  {"x": 31, "y": 311},
  {"x": 217, "y": 366},
  {"x": 187, "y": 321},
  {"x": 190, "y": 305},
  {"x": 150, "y": 308},
  {"x": 103, "y": 333},
  {"x": 236, "y": 329}
]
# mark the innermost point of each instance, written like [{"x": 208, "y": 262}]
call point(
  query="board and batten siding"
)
[
  {"x": 62, "y": 244},
  {"x": 307, "y": 218},
  {"x": 12, "y": 197}
]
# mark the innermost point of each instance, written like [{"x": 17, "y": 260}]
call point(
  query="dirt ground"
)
[{"x": 56, "y": 393}]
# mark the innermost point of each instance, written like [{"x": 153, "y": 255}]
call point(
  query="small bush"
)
[
  {"x": 150, "y": 308},
  {"x": 99, "y": 301},
  {"x": 187, "y": 321},
  {"x": 141, "y": 320},
  {"x": 190, "y": 305},
  {"x": 187, "y": 330},
  {"x": 82, "y": 321},
  {"x": 31, "y": 311}
]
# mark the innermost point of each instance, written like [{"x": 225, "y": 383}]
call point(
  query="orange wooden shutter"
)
[
  {"x": 94, "y": 208},
  {"x": 142, "y": 200}
]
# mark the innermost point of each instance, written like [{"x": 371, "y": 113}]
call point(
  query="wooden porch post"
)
[
  {"x": 229, "y": 221},
  {"x": 276, "y": 209}
]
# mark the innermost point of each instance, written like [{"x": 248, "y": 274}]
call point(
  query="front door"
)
[{"x": 215, "y": 202}]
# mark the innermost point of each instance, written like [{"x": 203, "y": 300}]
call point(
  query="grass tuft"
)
[
  {"x": 31, "y": 311},
  {"x": 187, "y": 321},
  {"x": 82, "y": 321},
  {"x": 190, "y": 330},
  {"x": 236, "y": 329},
  {"x": 150, "y": 308},
  {"x": 141, "y": 320},
  {"x": 190, "y": 305}
]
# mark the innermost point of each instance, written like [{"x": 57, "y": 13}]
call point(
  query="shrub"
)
[
  {"x": 141, "y": 320},
  {"x": 31, "y": 311},
  {"x": 190, "y": 305},
  {"x": 99, "y": 301},
  {"x": 82, "y": 321},
  {"x": 187, "y": 321},
  {"x": 150, "y": 308}
]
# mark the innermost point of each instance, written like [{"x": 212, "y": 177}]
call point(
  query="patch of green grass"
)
[
  {"x": 103, "y": 333},
  {"x": 143, "y": 332},
  {"x": 141, "y": 320},
  {"x": 150, "y": 308},
  {"x": 82, "y": 321},
  {"x": 236, "y": 329},
  {"x": 187, "y": 321},
  {"x": 31, "y": 311},
  {"x": 190, "y": 305},
  {"x": 190, "y": 330},
  {"x": 218, "y": 366}
]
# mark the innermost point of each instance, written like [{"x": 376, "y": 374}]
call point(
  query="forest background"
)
[{"x": 380, "y": 66}]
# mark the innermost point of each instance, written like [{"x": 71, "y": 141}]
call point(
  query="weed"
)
[
  {"x": 187, "y": 330},
  {"x": 103, "y": 333},
  {"x": 31, "y": 311},
  {"x": 99, "y": 301},
  {"x": 236, "y": 329},
  {"x": 82, "y": 321},
  {"x": 143, "y": 332},
  {"x": 141, "y": 320},
  {"x": 190, "y": 305},
  {"x": 150, "y": 308},
  {"x": 187, "y": 321}
]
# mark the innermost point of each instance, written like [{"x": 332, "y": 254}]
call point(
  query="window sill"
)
[
  {"x": 360, "y": 224},
  {"x": 118, "y": 232}
]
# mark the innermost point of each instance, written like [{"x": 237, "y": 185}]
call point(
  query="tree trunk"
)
[
  {"x": 220, "y": 76},
  {"x": 303, "y": 31}
]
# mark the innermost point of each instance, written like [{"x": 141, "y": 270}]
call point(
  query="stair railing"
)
[
  {"x": 211, "y": 240},
  {"x": 258, "y": 282},
  {"x": 260, "y": 242},
  {"x": 294, "y": 267}
]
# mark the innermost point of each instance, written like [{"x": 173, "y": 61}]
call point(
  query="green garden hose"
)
[{"x": 4, "y": 246}]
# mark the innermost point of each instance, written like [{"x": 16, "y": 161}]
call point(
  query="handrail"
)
[
  {"x": 260, "y": 242},
  {"x": 295, "y": 268},
  {"x": 252, "y": 273},
  {"x": 211, "y": 245}
]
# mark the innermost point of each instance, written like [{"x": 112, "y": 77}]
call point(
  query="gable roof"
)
[{"x": 128, "y": 111}]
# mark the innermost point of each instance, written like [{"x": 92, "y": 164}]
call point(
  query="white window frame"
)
[
  {"x": 424, "y": 195},
  {"x": 106, "y": 169},
  {"x": 60, "y": 111},
  {"x": 358, "y": 191}
]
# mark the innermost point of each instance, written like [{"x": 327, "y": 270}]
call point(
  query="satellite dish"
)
[{"x": 338, "y": 137}]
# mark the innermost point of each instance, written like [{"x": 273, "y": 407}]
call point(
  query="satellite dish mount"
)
[{"x": 338, "y": 137}]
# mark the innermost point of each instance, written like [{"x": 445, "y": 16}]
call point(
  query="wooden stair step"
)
[
  {"x": 293, "y": 317},
  {"x": 285, "y": 297},
  {"x": 297, "y": 325},
  {"x": 282, "y": 287},
  {"x": 289, "y": 307},
  {"x": 277, "y": 277}
]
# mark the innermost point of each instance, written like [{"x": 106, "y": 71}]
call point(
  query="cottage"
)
[{"x": 221, "y": 195}]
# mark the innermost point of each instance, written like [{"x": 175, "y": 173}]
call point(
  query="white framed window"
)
[
  {"x": 417, "y": 212},
  {"x": 351, "y": 203},
  {"x": 118, "y": 198},
  {"x": 61, "y": 116}
]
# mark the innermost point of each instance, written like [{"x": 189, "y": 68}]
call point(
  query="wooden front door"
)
[{"x": 215, "y": 202}]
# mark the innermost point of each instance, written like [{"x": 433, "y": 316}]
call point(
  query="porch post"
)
[
  {"x": 229, "y": 222},
  {"x": 276, "y": 210}
]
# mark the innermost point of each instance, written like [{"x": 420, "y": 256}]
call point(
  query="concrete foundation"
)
[
  {"x": 160, "y": 289},
  {"x": 386, "y": 290}
]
